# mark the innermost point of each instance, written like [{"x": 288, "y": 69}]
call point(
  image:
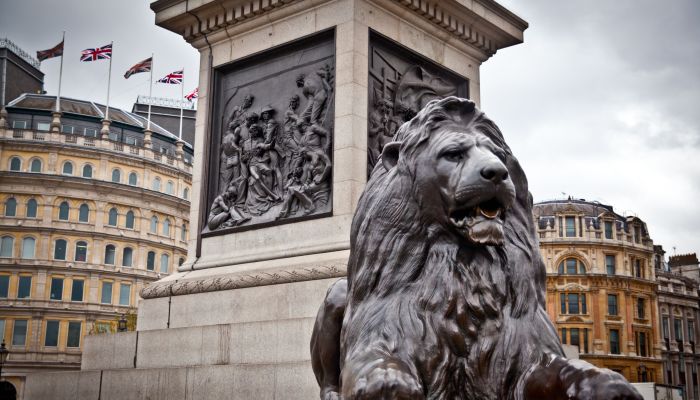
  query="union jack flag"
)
[
  {"x": 100, "y": 53},
  {"x": 143, "y": 66},
  {"x": 192, "y": 95},
  {"x": 174, "y": 78},
  {"x": 55, "y": 51}
]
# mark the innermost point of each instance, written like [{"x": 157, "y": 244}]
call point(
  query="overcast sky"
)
[{"x": 601, "y": 102}]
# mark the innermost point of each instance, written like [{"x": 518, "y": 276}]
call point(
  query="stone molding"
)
[{"x": 242, "y": 280}]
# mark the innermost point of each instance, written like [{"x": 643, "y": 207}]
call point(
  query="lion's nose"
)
[{"x": 495, "y": 172}]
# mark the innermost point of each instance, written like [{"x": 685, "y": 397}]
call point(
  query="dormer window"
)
[
  {"x": 608, "y": 225},
  {"x": 570, "y": 226}
]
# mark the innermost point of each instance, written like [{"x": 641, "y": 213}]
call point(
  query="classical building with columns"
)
[
  {"x": 90, "y": 213},
  {"x": 601, "y": 285}
]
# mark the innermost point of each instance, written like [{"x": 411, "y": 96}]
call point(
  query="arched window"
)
[
  {"x": 133, "y": 179},
  {"x": 7, "y": 244},
  {"x": 571, "y": 266},
  {"x": 84, "y": 213},
  {"x": 10, "y": 207},
  {"x": 112, "y": 221},
  {"x": 164, "y": 262},
  {"x": 166, "y": 227},
  {"x": 35, "y": 166},
  {"x": 59, "y": 249},
  {"x": 68, "y": 168},
  {"x": 156, "y": 184},
  {"x": 183, "y": 232},
  {"x": 87, "y": 171},
  {"x": 186, "y": 193},
  {"x": 15, "y": 164},
  {"x": 31, "y": 208},
  {"x": 63, "y": 211},
  {"x": 130, "y": 219},
  {"x": 169, "y": 187},
  {"x": 109, "y": 254},
  {"x": 28, "y": 245},
  {"x": 154, "y": 224},
  {"x": 127, "y": 255},
  {"x": 116, "y": 175},
  {"x": 151, "y": 261},
  {"x": 81, "y": 251}
]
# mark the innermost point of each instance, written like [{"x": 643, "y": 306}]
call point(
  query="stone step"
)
[{"x": 289, "y": 381}]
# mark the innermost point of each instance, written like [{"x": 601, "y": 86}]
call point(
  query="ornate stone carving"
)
[
  {"x": 275, "y": 130},
  {"x": 444, "y": 297},
  {"x": 401, "y": 83}
]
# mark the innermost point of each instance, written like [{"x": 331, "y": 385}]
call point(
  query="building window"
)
[
  {"x": 81, "y": 251},
  {"x": 84, "y": 213},
  {"x": 637, "y": 234},
  {"x": 127, "y": 254},
  {"x": 156, "y": 184},
  {"x": 563, "y": 335},
  {"x": 164, "y": 263},
  {"x": 186, "y": 193},
  {"x": 608, "y": 229},
  {"x": 56, "y": 289},
  {"x": 68, "y": 168},
  {"x": 15, "y": 164},
  {"x": 151, "y": 261},
  {"x": 109, "y": 254},
  {"x": 130, "y": 219},
  {"x": 31, "y": 208},
  {"x": 575, "y": 338},
  {"x": 638, "y": 270},
  {"x": 35, "y": 166},
  {"x": 10, "y": 207},
  {"x": 19, "y": 333},
  {"x": 43, "y": 126},
  {"x": 571, "y": 266},
  {"x": 642, "y": 344},
  {"x": 169, "y": 187},
  {"x": 87, "y": 171},
  {"x": 67, "y": 129},
  {"x": 73, "y": 339},
  {"x": 7, "y": 244},
  {"x": 154, "y": 224},
  {"x": 90, "y": 132},
  {"x": 570, "y": 226},
  {"x": 76, "y": 293},
  {"x": 112, "y": 220},
  {"x": 19, "y": 124},
  {"x": 614, "y": 341},
  {"x": 59, "y": 249},
  {"x": 124, "y": 294},
  {"x": 24, "y": 287},
  {"x": 640, "y": 308},
  {"x": 4, "y": 286},
  {"x": 665, "y": 326},
  {"x": 166, "y": 227},
  {"x": 610, "y": 264},
  {"x": 573, "y": 303},
  {"x": 180, "y": 261},
  {"x": 28, "y": 245},
  {"x": 678, "y": 329},
  {"x": 116, "y": 175},
  {"x": 106, "y": 293},
  {"x": 691, "y": 331},
  {"x": 183, "y": 232},
  {"x": 63, "y": 211},
  {"x": 612, "y": 304},
  {"x": 133, "y": 179},
  {"x": 51, "y": 338}
]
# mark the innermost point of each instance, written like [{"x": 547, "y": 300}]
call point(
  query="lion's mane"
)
[{"x": 441, "y": 305}]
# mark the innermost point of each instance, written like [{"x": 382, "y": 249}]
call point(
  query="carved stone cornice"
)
[{"x": 242, "y": 280}]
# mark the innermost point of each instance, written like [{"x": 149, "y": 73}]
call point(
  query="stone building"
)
[
  {"x": 679, "y": 306},
  {"x": 19, "y": 72},
  {"x": 87, "y": 219},
  {"x": 601, "y": 288}
]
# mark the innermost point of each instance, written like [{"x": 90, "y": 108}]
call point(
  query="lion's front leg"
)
[
  {"x": 559, "y": 378},
  {"x": 381, "y": 379}
]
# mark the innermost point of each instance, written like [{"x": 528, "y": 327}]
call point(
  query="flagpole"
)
[
  {"x": 182, "y": 95},
  {"x": 150, "y": 94},
  {"x": 109, "y": 79},
  {"x": 60, "y": 74}
]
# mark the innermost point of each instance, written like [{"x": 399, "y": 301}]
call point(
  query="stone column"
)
[
  {"x": 56, "y": 121},
  {"x": 105, "y": 129}
]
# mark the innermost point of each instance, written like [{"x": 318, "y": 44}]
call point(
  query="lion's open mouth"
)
[{"x": 481, "y": 223}]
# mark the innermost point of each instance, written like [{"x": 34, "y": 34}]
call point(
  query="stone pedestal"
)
[
  {"x": 236, "y": 320},
  {"x": 55, "y": 122}
]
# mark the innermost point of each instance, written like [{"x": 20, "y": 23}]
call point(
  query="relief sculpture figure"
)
[{"x": 444, "y": 297}]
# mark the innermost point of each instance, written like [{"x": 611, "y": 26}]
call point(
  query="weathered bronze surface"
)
[
  {"x": 272, "y": 138},
  {"x": 444, "y": 297},
  {"x": 401, "y": 82}
]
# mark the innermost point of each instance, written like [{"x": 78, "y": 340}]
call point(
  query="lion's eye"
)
[{"x": 453, "y": 155}]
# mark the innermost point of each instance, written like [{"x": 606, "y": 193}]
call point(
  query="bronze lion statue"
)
[{"x": 444, "y": 297}]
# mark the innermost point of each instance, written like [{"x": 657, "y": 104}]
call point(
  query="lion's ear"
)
[{"x": 390, "y": 154}]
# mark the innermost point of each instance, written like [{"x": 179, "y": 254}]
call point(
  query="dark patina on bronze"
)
[
  {"x": 272, "y": 137},
  {"x": 444, "y": 297}
]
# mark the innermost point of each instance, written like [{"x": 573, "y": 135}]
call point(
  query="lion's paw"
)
[
  {"x": 387, "y": 383},
  {"x": 608, "y": 386}
]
